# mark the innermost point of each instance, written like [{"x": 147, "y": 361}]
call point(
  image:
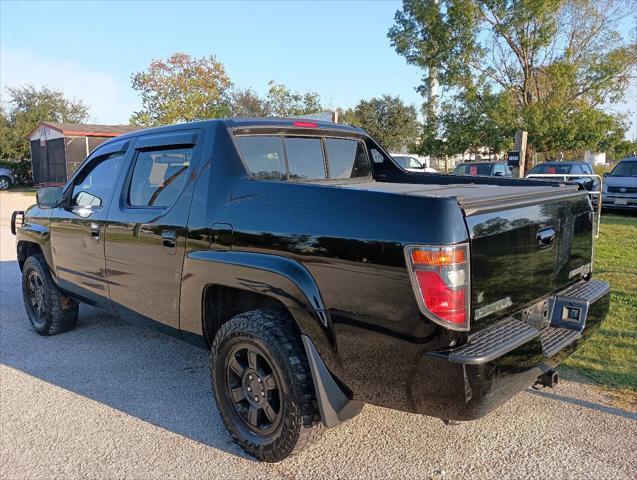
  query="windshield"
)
[
  {"x": 625, "y": 169},
  {"x": 551, "y": 169},
  {"x": 473, "y": 170}
]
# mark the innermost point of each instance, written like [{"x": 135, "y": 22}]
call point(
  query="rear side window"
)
[
  {"x": 303, "y": 158},
  {"x": 346, "y": 158},
  {"x": 263, "y": 156},
  {"x": 158, "y": 177}
]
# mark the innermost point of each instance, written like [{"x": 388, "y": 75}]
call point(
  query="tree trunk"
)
[{"x": 528, "y": 160}]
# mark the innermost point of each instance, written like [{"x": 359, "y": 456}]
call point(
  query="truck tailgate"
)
[{"x": 526, "y": 248}]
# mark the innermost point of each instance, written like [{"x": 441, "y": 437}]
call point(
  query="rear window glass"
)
[
  {"x": 346, "y": 158},
  {"x": 551, "y": 169},
  {"x": 473, "y": 170},
  {"x": 303, "y": 158}
]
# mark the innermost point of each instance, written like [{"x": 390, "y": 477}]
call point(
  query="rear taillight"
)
[{"x": 440, "y": 278}]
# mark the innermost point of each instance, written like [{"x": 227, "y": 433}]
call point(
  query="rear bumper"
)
[{"x": 497, "y": 363}]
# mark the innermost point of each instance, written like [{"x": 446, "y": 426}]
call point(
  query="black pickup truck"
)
[{"x": 320, "y": 274}]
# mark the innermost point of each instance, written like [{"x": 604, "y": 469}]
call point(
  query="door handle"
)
[
  {"x": 95, "y": 231},
  {"x": 169, "y": 240},
  {"x": 546, "y": 237}
]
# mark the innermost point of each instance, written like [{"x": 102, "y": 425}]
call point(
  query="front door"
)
[
  {"x": 146, "y": 235},
  {"x": 78, "y": 226}
]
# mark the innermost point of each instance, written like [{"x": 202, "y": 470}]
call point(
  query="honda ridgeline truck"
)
[{"x": 319, "y": 274}]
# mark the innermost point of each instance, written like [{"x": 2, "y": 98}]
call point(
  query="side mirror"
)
[{"x": 49, "y": 197}]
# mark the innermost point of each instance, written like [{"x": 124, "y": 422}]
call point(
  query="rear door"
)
[{"x": 146, "y": 235}]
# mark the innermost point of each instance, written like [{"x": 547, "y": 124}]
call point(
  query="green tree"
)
[
  {"x": 279, "y": 102},
  {"x": 390, "y": 121},
  {"x": 25, "y": 108},
  {"x": 182, "y": 89},
  {"x": 547, "y": 59}
]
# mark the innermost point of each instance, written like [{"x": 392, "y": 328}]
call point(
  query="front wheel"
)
[
  {"x": 5, "y": 182},
  {"x": 48, "y": 310},
  {"x": 263, "y": 386}
]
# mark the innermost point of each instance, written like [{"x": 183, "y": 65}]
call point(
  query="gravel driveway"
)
[{"x": 112, "y": 400}]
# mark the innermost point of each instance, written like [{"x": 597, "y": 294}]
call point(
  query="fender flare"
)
[{"x": 276, "y": 276}]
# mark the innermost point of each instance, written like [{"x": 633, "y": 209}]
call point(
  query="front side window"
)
[
  {"x": 93, "y": 187},
  {"x": 159, "y": 177}
]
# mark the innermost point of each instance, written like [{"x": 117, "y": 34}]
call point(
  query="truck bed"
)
[{"x": 474, "y": 196}]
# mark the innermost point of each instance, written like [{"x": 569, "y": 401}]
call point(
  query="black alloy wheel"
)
[
  {"x": 49, "y": 310},
  {"x": 253, "y": 388},
  {"x": 36, "y": 297},
  {"x": 263, "y": 385}
]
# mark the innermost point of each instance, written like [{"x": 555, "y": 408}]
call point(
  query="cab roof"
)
[{"x": 309, "y": 125}]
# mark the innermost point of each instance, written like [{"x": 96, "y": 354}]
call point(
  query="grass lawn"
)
[{"x": 609, "y": 358}]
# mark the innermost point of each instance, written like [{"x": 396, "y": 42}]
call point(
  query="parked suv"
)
[
  {"x": 319, "y": 274},
  {"x": 620, "y": 186}
]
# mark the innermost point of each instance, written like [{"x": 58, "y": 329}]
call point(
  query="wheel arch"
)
[
  {"x": 243, "y": 281},
  {"x": 26, "y": 249}
]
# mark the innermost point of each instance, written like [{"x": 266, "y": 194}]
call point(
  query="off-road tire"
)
[
  {"x": 275, "y": 334},
  {"x": 61, "y": 313}
]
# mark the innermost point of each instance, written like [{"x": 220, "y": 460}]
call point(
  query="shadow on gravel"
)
[
  {"x": 138, "y": 371},
  {"x": 584, "y": 403}
]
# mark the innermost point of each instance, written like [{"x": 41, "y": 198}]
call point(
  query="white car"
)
[{"x": 413, "y": 163}]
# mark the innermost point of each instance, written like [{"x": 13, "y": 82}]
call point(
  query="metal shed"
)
[{"x": 57, "y": 149}]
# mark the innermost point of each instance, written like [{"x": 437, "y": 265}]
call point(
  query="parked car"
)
[
  {"x": 7, "y": 178},
  {"x": 319, "y": 274},
  {"x": 620, "y": 185},
  {"x": 483, "y": 169},
  {"x": 565, "y": 168},
  {"x": 413, "y": 163}
]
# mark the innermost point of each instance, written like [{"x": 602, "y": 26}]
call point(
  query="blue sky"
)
[{"x": 90, "y": 49}]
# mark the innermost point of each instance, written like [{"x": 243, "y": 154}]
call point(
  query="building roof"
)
[{"x": 86, "y": 129}]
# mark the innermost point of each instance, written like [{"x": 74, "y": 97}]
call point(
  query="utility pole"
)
[{"x": 520, "y": 146}]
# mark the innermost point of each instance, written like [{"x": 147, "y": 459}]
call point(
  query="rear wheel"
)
[
  {"x": 48, "y": 310},
  {"x": 263, "y": 386}
]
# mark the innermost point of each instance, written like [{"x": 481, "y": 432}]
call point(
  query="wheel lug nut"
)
[
  {"x": 259, "y": 379},
  {"x": 256, "y": 399},
  {"x": 249, "y": 377},
  {"x": 249, "y": 389},
  {"x": 262, "y": 393}
]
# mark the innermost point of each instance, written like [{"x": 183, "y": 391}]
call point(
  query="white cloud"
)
[{"x": 110, "y": 99}]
